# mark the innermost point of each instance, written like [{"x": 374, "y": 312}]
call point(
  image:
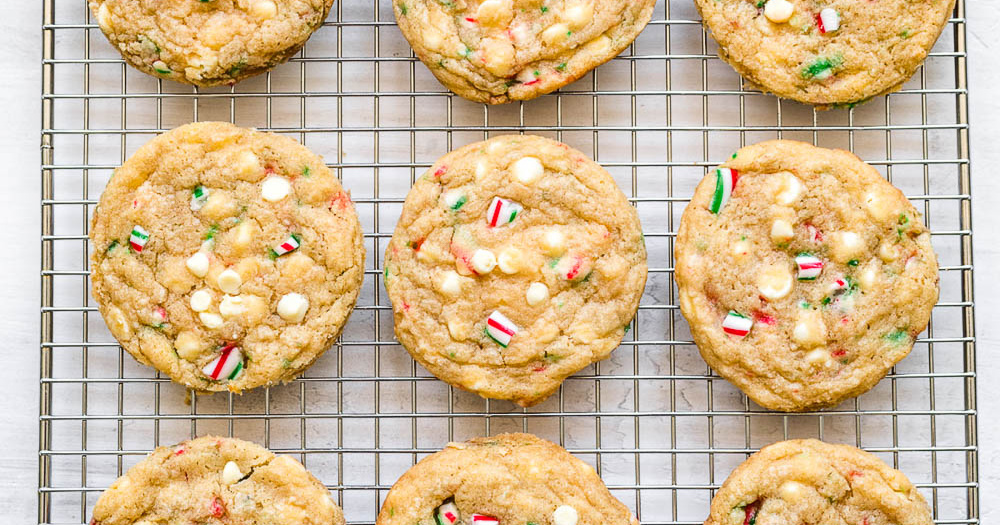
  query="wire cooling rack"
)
[{"x": 661, "y": 429}]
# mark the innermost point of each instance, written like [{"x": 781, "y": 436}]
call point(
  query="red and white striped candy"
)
[
  {"x": 289, "y": 245},
  {"x": 447, "y": 514},
  {"x": 138, "y": 238},
  {"x": 737, "y": 325},
  {"x": 500, "y": 329},
  {"x": 482, "y": 519},
  {"x": 502, "y": 212},
  {"x": 838, "y": 284},
  {"x": 725, "y": 182},
  {"x": 828, "y": 20},
  {"x": 809, "y": 267},
  {"x": 228, "y": 365}
]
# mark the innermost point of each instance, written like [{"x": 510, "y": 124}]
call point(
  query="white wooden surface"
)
[{"x": 19, "y": 282}]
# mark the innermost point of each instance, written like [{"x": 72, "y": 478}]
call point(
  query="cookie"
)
[
  {"x": 804, "y": 275},
  {"x": 498, "y": 51},
  {"x": 224, "y": 257},
  {"x": 214, "y": 480},
  {"x": 516, "y": 263},
  {"x": 809, "y": 481},
  {"x": 510, "y": 479},
  {"x": 208, "y": 42},
  {"x": 825, "y": 52}
]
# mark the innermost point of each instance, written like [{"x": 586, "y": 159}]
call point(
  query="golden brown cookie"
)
[
  {"x": 812, "y": 482},
  {"x": 516, "y": 263},
  {"x": 825, "y": 52},
  {"x": 804, "y": 275},
  {"x": 510, "y": 479},
  {"x": 497, "y": 51},
  {"x": 224, "y": 257},
  {"x": 213, "y": 480},
  {"x": 208, "y": 42}
]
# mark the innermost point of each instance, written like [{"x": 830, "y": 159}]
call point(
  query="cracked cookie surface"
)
[
  {"x": 811, "y": 482},
  {"x": 512, "y": 479},
  {"x": 825, "y": 52},
  {"x": 208, "y": 42},
  {"x": 804, "y": 275},
  {"x": 224, "y": 257},
  {"x": 212, "y": 480},
  {"x": 516, "y": 263},
  {"x": 497, "y": 51}
]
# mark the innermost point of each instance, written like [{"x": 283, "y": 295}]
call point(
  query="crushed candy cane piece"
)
[
  {"x": 455, "y": 199},
  {"x": 501, "y": 330},
  {"x": 290, "y": 245},
  {"x": 502, "y": 212},
  {"x": 809, "y": 266},
  {"x": 229, "y": 364},
  {"x": 447, "y": 514},
  {"x": 725, "y": 183},
  {"x": 482, "y": 519},
  {"x": 828, "y": 20},
  {"x": 138, "y": 238},
  {"x": 199, "y": 196},
  {"x": 737, "y": 325}
]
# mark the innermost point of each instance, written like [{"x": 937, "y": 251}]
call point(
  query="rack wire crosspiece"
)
[{"x": 661, "y": 429}]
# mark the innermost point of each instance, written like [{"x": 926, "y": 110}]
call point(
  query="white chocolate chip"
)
[
  {"x": 499, "y": 54},
  {"x": 229, "y": 281},
  {"x": 818, "y": 356},
  {"x": 791, "y": 490},
  {"x": 495, "y": 12},
  {"x": 579, "y": 15},
  {"x": 565, "y": 515},
  {"x": 598, "y": 46},
  {"x": 450, "y": 283},
  {"x": 275, "y": 188},
  {"x": 264, "y": 9},
  {"x": 536, "y": 293},
  {"x": 888, "y": 251},
  {"x": 292, "y": 307},
  {"x": 876, "y": 203},
  {"x": 231, "y": 473},
  {"x": 554, "y": 243},
  {"x": 528, "y": 169},
  {"x": 244, "y": 235},
  {"x": 201, "y": 300},
  {"x": 248, "y": 163},
  {"x": 188, "y": 345},
  {"x": 555, "y": 33},
  {"x": 775, "y": 282},
  {"x": 104, "y": 16},
  {"x": 210, "y": 320},
  {"x": 197, "y": 264},
  {"x": 846, "y": 245},
  {"x": 867, "y": 278},
  {"x": 741, "y": 249},
  {"x": 483, "y": 261},
  {"x": 781, "y": 231},
  {"x": 510, "y": 260},
  {"x": 778, "y": 11},
  {"x": 809, "y": 329},
  {"x": 232, "y": 306},
  {"x": 790, "y": 191}
]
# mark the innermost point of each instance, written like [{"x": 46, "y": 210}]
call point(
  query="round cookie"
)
[
  {"x": 804, "y": 275},
  {"x": 825, "y": 52},
  {"x": 497, "y": 51},
  {"x": 208, "y": 42},
  {"x": 809, "y": 481},
  {"x": 224, "y": 257},
  {"x": 516, "y": 263},
  {"x": 510, "y": 479},
  {"x": 212, "y": 480}
]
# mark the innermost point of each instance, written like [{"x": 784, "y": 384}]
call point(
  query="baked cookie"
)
[
  {"x": 804, "y": 275},
  {"x": 516, "y": 263},
  {"x": 510, "y": 479},
  {"x": 212, "y": 480},
  {"x": 224, "y": 257},
  {"x": 825, "y": 52},
  {"x": 497, "y": 51},
  {"x": 208, "y": 42},
  {"x": 809, "y": 481}
]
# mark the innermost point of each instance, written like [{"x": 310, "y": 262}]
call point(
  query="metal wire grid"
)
[{"x": 659, "y": 427}]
